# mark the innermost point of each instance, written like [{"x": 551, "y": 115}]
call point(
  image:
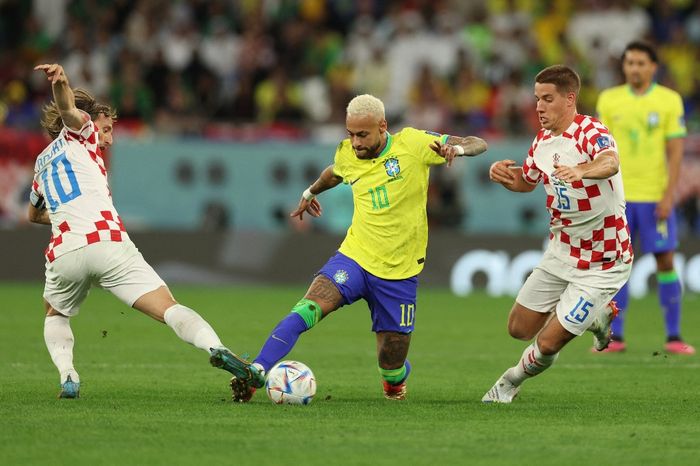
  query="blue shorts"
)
[
  {"x": 654, "y": 236},
  {"x": 392, "y": 303}
]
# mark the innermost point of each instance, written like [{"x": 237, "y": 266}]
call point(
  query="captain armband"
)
[{"x": 36, "y": 200}]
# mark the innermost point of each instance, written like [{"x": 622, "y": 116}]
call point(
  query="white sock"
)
[
  {"x": 59, "y": 341},
  {"x": 189, "y": 326},
  {"x": 531, "y": 363}
]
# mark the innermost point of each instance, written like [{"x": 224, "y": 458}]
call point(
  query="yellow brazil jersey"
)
[
  {"x": 388, "y": 235},
  {"x": 641, "y": 125}
]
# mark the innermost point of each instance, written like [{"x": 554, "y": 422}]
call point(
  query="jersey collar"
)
[
  {"x": 651, "y": 87},
  {"x": 387, "y": 146}
]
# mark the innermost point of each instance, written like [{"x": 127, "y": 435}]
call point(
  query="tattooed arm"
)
[{"x": 456, "y": 146}]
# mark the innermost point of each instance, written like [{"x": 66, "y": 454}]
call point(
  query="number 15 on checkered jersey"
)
[
  {"x": 563, "y": 201},
  {"x": 61, "y": 169}
]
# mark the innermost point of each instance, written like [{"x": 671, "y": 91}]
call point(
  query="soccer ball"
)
[{"x": 290, "y": 382}]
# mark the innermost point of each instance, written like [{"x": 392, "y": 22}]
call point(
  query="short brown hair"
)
[
  {"x": 51, "y": 118},
  {"x": 564, "y": 78}
]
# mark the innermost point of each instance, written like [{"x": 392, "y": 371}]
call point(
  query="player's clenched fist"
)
[
  {"x": 500, "y": 172},
  {"x": 54, "y": 72}
]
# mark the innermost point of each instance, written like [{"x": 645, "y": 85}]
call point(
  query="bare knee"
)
[
  {"x": 553, "y": 338},
  {"x": 664, "y": 261},
  {"x": 324, "y": 293},
  {"x": 155, "y": 303},
  {"x": 548, "y": 347},
  {"x": 519, "y": 327},
  {"x": 518, "y": 332},
  {"x": 50, "y": 311},
  {"x": 524, "y": 323}
]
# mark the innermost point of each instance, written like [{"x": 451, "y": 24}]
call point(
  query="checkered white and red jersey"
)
[
  {"x": 588, "y": 227},
  {"x": 71, "y": 177}
]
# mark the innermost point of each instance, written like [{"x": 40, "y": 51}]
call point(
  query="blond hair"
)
[
  {"x": 366, "y": 104},
  {"x": 51, "y": 119}
]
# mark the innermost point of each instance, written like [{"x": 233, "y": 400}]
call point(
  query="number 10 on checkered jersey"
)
[{"x": 60, "y": 167}]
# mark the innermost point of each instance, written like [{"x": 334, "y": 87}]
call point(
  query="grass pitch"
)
[{"x": 148, "y": 398}]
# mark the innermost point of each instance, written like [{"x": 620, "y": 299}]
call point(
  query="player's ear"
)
[{"x": 382, "y": 125}]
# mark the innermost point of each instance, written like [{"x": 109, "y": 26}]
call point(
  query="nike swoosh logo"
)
[
  {"x": 353, "y": 182},
  {"x": 275, "y": 337}
]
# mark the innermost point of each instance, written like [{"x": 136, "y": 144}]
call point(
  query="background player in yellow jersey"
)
[
  {"x": 646, "y": 120},
  {"x": 384, "y": 249}
]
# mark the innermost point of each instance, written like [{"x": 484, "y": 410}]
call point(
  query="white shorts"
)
[
  {"x": 115, "y": 266},
  {"x": 576, "y": 295}
]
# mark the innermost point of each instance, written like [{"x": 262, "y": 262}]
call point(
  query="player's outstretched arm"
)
[
  {"x": 308, "y": 202},
  {"x": 605, "y": 165},
  {"x": 63, "y": 95},
  {"x": 507, "y": 174},
  {"x": 456, "y": 146}
]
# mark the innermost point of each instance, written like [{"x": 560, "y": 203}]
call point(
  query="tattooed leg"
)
[
  {"x": 392, "y": 349},
  {"x": 323, "y": 292}
]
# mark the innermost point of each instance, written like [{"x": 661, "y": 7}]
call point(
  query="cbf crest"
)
[
  {"x": 653, "y": 119},
  {"x": 341, "y": 276},
  {"x": 392, "y": 167}
]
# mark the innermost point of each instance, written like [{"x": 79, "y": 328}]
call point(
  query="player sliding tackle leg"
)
[
  {"x": 158, "y": 304},
  {"x": 89, "y": 242}
]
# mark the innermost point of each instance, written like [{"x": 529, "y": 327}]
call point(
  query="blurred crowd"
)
[
  {"x": 217, "y": 67},
  {"x": 252, "y": 69}
]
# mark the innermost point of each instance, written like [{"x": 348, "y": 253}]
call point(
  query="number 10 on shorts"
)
[{"x": 408, "y": 312}]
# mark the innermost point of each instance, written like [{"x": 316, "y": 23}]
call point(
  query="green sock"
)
[{"x": 396, "y": 376}]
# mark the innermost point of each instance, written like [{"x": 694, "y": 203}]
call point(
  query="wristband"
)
[
  {"x": 459, "y": 149},
  {"x": 308, "y": 195}
]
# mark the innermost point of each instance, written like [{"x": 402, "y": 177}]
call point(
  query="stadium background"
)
[{"x": 229, "y": 109}]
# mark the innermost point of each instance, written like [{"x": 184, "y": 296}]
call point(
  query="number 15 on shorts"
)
[{"x": 579, "y": 313}]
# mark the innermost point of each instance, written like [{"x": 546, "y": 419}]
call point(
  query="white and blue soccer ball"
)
[{"x": 290, "y": 382}]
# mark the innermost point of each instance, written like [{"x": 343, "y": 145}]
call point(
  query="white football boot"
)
[
  {"x": 503, "y": 391},
  {"x": 601, "y": 326}
]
